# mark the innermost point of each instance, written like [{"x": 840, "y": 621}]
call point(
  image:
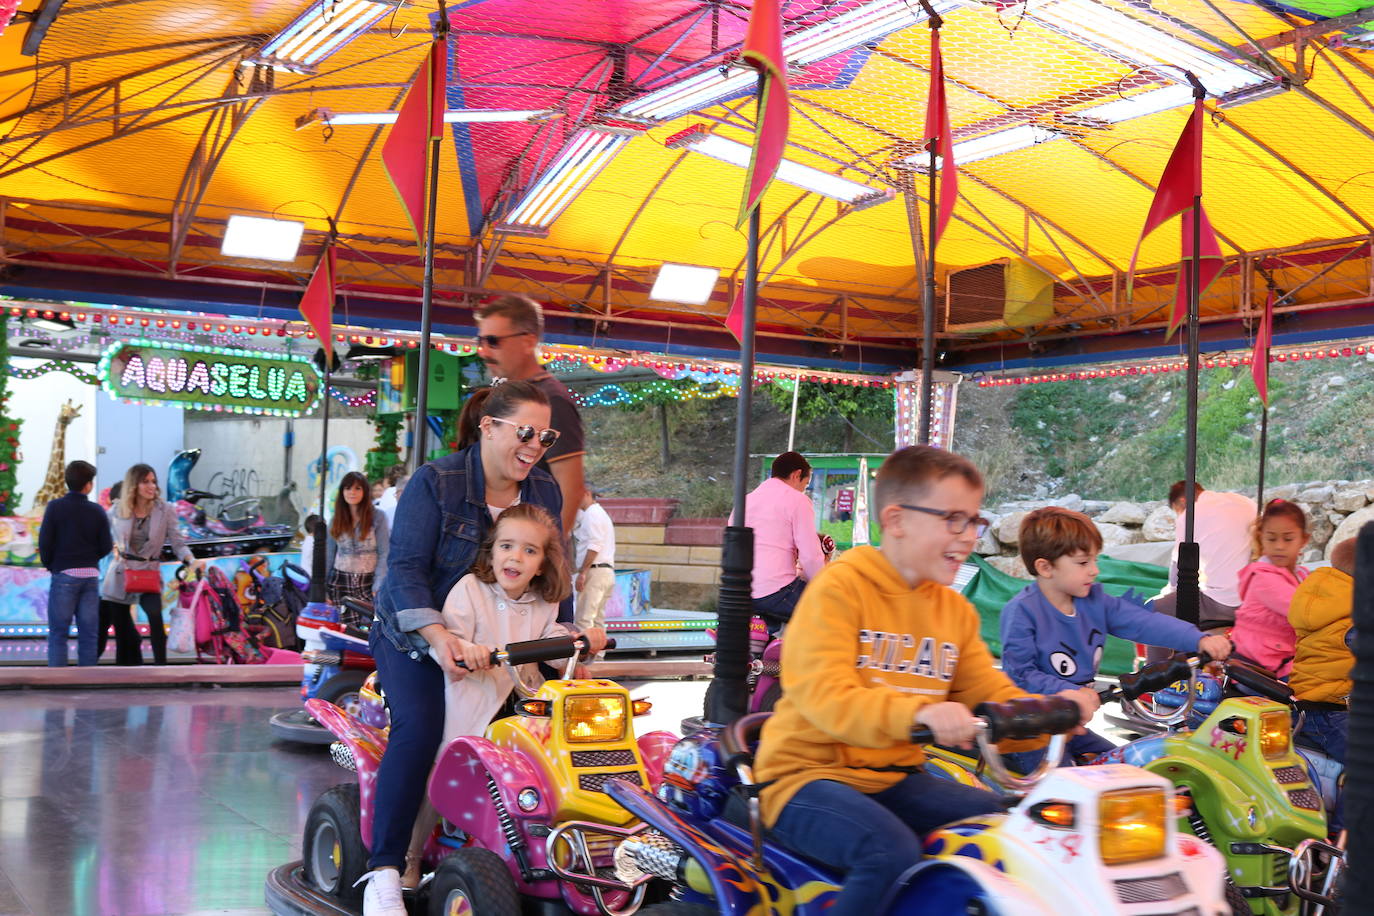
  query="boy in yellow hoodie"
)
[
  {"x": 1320, "y": 613},
  {"x": 878, "y": 645}
]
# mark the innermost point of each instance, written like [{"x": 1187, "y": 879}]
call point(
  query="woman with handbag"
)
[
  {"x": 141, "y": 524},
  {"x": 357, "y": 546}
]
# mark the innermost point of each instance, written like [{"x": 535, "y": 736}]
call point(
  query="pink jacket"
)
[{"x": 1262, "y": 633}]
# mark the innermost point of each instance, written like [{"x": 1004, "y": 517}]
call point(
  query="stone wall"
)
[{"x": 1336, "y": 510}]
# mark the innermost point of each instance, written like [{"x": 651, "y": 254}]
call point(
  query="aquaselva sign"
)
[{"x": 209, "y": 378}]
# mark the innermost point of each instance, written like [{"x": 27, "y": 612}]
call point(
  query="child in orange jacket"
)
[
  {"x": 1321, "y": 617},
  {"x": 879, "y": 644}
]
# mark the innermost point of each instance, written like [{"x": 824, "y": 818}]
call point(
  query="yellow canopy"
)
[{"x": 133, "y": 130}]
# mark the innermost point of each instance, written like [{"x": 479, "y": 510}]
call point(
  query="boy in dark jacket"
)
[{"x": 74, "y": 537}]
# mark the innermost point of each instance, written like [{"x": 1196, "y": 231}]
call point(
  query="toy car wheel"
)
[
  {"x": 677, "y": 908},
  {"x": 770, "y": 697},
  {"x": 473, "y": 882},
  {"x": 1236, "y": 900},
  {"x": 332, "y": 849},
  {"x": 343, "y": 690}
]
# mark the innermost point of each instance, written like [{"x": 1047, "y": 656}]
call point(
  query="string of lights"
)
[
  {"x": 614, "y": 395},
  {"x": 1161, "y": 367},
  {"x": 366, "y": 399},
  {"x": 55, "y": 365}
]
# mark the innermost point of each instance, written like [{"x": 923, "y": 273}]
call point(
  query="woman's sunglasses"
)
[{"x": 547, "y": 437}]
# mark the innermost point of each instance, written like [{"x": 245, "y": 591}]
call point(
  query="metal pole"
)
[
  {"x": 928, "y": 308},
  {"x": 317, "y": 570},
  {"x": 1263, "y": 449},
  {"x": 427, "y": 288},
  {"x": 792, "y": 423},
  {"x": 1189, "y": 560},
  {"x": 728, "y": 695},
  {"x": 1359, "y": 761}
]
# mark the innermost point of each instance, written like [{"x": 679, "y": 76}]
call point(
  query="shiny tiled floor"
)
[{"x": 157, "y": 801}]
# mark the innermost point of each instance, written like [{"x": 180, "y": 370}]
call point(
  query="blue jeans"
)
[
  {"x": 873, "y": 839},
  {"x": 68, "y": 597},
  {"x": 1325, "y": 730},
  {"x": 415, "y": 696},
  {"x": 1087, "y": 743},
  {"x": 776, "y": 609}
]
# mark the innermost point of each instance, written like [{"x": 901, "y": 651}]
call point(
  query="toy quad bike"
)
[
  {"x": 1086, "y": 841},
  {"x": 517, "y": 806},
  {"x": 337, "y": 660},
  {"x": 1252, "y": 796}
]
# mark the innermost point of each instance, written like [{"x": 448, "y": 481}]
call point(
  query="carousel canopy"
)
[{"x": 589, "y": 142}]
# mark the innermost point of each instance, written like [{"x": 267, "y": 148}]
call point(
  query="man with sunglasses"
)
[{"x": 508, "y": 332}]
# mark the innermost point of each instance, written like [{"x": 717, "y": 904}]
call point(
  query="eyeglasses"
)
[
  {"x": 956, "y": 522},
  {"x": 493, "y": 341},
  {"x": 525, "y": 433}
]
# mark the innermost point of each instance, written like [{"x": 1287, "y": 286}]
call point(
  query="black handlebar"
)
[
  {"x": 1018, "y": 719},
  {"x": 538, "y": 650},
  {"x": 1260, "y": 681},
  {"x": 1154, "y": 677}
]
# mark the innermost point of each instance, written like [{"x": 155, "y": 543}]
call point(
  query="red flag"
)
[
  {"x": 1210, "y": 266},
  {"x": 317, "y": 305},
  {"x": 937, "y": 132},
  {"x": 420, "y": 122},
  {"x": 1259, "y": 360},
  {"x": 734, "y": 319},
  {"x": 1179, "y": 185},
  {"x": 763, "y": 49}
]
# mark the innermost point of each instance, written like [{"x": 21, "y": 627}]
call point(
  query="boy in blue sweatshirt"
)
[{"x": 1054, "y": 630}]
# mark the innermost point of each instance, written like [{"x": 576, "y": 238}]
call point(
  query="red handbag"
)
[{"x": 140, "y": 581}]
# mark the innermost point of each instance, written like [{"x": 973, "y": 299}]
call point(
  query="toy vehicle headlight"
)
[
  {"x": 1132, "y": 825},
  {"x": 1275, "y": 733},
  {"x": 594, "y": 719}
]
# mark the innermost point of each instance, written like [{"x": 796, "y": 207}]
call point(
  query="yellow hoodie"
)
[
  {"x": 1320, "y": 615},
  {"x": 863, "y": 653}
]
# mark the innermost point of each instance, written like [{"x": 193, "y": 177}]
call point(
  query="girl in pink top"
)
[{"x": 1262, "y": 633}]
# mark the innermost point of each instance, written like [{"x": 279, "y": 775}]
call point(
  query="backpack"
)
[{"x": 269, "y": 615}]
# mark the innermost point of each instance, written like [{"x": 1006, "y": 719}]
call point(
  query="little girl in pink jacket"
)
[{"x": 1262, "y": 633}]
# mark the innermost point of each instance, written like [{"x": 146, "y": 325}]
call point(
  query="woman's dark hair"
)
[
  {"x": 552, "y": 583},
  {"x": 344, "y": 522},
  {"x": 498, "y": 401}
]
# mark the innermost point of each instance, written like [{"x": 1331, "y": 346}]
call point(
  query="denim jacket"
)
[{"x": 441, "y": 521}]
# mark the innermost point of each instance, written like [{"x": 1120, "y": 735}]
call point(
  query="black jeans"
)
[
  {"x": 128, "y": 644},
  {"x": 776, "y": 609}
]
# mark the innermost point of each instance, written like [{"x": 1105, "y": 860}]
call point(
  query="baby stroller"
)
[
  {"x": 270, "y": 603},
  {"x": 207, "y": 612}
]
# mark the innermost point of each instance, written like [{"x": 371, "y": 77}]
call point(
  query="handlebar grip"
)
[
  {"x": 540, "y": 650},
  {"x": 1154, "y": 677},
  {"x": 610, "y": 644},
  {"x": 1029, "y": 717},
  {"x": 1260, "y": 682},
  {"x": 922, "y": 735}
]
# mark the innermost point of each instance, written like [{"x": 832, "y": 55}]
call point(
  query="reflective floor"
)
[{"x": 166, "y": 801}]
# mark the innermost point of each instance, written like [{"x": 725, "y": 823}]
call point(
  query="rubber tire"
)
[
  {"x": 335, "y": 813},
  {"x": 343, "y": 690},
  {"x": 482, "y": 877},
  {"x": 676, "y": 908},
  {"x": 771, "y": 697},
  {"x": 1236, "y": 900},
  {"x": 297, "y": 727}
]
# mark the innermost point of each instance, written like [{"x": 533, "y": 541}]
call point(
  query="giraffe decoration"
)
[{"x": 54, "y": 482}]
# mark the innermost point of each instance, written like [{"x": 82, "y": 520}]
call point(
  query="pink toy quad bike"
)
[{"x": 520, "y": 808}]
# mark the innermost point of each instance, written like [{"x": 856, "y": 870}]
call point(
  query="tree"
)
[
  {"x": 9, "y": 434},
  {"x": 816, "y": 400}
]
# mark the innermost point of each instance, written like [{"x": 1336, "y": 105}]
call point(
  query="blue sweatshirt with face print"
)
[{"x": 1045, "y": 651}]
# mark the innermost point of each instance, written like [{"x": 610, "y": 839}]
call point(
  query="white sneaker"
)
[{"x": 382, "y": 896}]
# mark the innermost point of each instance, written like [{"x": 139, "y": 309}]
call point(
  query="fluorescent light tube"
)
[
  {"x": 318, "y": 32},
  {"x": 794, "y": 173},
  {"x": 262, "y": 239},
  {"x": 870, "y": 22},
  {"x": 581, "y": 160},
  {"x": 453, "y": 116},
  {"x": 684, "y": 283}
]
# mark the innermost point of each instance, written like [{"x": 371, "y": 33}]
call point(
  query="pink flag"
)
[
  {"x": 420, "y": 122},
  {"x": 1210, "y": 266},
  {"x": 1259, "y": 360},
  {"x": 763, "y": 49},
  {"x": 734, "y": 319},
  {"x": 938, "y": 132}
]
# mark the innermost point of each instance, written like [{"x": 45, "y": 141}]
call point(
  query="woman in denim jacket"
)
[{"x": 443, "y": 515}]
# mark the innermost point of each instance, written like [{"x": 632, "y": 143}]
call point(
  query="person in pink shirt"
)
[
  {"x": 785, "y": 538},
  {"x": 1221, "y": 529},
  {"x": 1262, "y": 633}
]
